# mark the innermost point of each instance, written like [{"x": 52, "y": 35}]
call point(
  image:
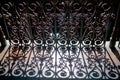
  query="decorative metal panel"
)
[
  {"x": 63, "y": 22},
  {"x": 58, "y": 39}
]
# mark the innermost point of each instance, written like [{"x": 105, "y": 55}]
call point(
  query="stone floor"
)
[{"x": 55, "y": 62}]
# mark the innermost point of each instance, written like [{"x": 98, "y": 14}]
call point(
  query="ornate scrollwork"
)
[{"x": 58, "y": 39}]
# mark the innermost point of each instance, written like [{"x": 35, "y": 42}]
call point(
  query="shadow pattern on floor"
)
[{"x": 63, "y": 62}]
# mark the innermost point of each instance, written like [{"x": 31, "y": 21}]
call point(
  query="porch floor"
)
[{"x": 59, "y": 62}]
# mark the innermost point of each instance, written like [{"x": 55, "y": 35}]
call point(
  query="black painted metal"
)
[
  {"x": 2, "y": 40},
  {"x": 58, "y": 39},
  {"x": 119, "y": 43},
  {"x": 69, "y": 22},
  {"x": 116, "y": 29}
]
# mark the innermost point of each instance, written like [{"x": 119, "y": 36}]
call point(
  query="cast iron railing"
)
[
  {"x": 58, "y": 38},
  {"x": 64, "y": 22}
]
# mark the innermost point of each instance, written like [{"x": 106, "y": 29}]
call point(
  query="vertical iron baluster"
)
[{"x": 115, "y": 28}]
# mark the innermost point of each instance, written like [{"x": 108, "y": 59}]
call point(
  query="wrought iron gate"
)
[
  {"x": 64, "y": 22},
  {"x": 58, "y": 38}
]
